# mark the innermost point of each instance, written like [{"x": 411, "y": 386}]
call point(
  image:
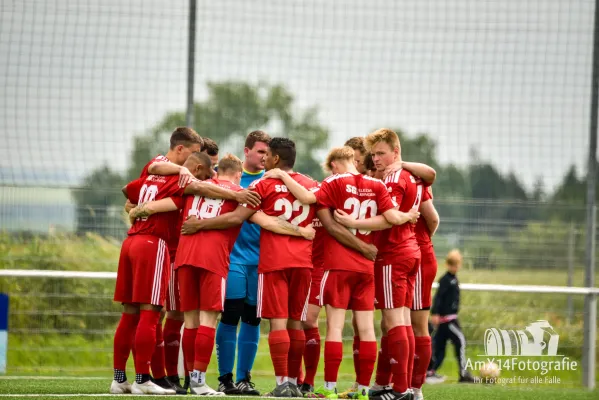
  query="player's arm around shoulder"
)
[
  {"x": 153, "y": 207},
  {"x": 225, "y": 221},
  {"x": 430, "y": 215},
  {"x": 305, "y": 196},
  {"x": 282, "y": 227},
  {"x": 210, "y": 190}
]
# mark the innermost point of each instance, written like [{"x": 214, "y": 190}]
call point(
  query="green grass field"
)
[{"x": 91, "y": 388}]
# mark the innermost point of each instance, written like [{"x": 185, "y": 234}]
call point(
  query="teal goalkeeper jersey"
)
[{"x": 246, "y": 250}]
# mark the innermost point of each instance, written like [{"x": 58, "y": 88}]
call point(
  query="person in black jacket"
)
[{"x": 444, "y": 317}]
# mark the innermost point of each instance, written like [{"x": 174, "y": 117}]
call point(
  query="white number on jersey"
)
[
  {"x": 363, "y": 210},
  {"x": 288, "y": 209},
  {"x": 147, "y": 193},
  {"x": 204, "y": 208},
  {"x": 418, "y": 197}
]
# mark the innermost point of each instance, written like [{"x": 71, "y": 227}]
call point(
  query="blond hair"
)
[
  {"x": 453, "y": 258},
  {"x": 344, "y": 153},
  {"x": 229, "y": 164},
  {"x": 383, "y": 135}
]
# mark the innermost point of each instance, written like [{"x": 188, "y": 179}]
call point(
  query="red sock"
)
[
  {"x": 172, "y": 342},
  {"x": 158, "y": 371},
  {"x": 356, "y": 348},
  {"x": 279, "y": 344},
  {"x": 123, "y": 340},
  {"x": 333, "y": 353},
  {"x": 300, "y": 377},
  {"x": 383, "y": 368},
  {"x": 145, "y": 340},
  {"x": 311, "y": 354},
  {"x": 189, "y": 342},
  {"x": 367, "y": 358},
  {"x": 422, "y": 358},
  {"x": 204, "y": 346},
  {"x": 297, "y": 342},
  {"x": 411, "y": 349},
  {"x": 398, "y": 352}
]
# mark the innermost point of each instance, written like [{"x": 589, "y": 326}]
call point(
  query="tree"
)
[
  {"x": 99, "y": 203},
  {"x": 230, "y": 112}
]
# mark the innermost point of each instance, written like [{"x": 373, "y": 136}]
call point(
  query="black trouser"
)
[{"x": 449, "y": 330}]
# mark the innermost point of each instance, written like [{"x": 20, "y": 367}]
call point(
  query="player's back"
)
[
  {"x": 145, "y": 170},
  {"x": 155, "y": 187},
  {"x": 400, "y": 241},
  {"x": 208, "y": 249},
  {"x": 282, "y": 251},
  {"x": 361, "y": 197}
]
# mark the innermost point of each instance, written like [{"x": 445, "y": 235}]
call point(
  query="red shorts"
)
[
  {"x": 173, "y": 303},
  {"x": 424, "y": 281},
  {"x": 394, "y": 283},
  {"x": 347, "y": 290},
  {"x": 315, "y": 286},
  {"x": 143, "y": 272},
  {"x": 284, "y": 294},
  {"x": 201, "y": 289}
]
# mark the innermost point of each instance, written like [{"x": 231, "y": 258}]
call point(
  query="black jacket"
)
[{"x": 447, "y": 297}]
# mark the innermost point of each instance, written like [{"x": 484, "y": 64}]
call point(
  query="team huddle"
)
[{"x": 255, "y": 239}]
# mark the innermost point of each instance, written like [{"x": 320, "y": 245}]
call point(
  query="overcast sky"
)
[{"x": 510, "y": 78}]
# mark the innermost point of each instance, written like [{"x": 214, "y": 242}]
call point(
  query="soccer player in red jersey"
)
[
  {"x": 425, "y": 229},
  {"x": 143, "y": 272},
  {"x": 348, "y": 281},
  {"x": 397, "y": 264}
]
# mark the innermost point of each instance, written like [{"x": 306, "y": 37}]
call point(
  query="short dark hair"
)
[
  {"x": 185, "y": 136},
  {"x": 209, "y": 146},
  {"x": 203, "y": 158},
  {"x": 285, "y": 149},
  {"x": 229, "y": 163},
  {"x": 256, "y": 136},
  {"x": 356, "y": 143}
]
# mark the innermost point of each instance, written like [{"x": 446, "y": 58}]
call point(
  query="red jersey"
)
[
  {"x": 281, "y": 251},
  {"x": 399, "y": 242},
  {"x": 362, "y": 197},
  {"x": 156, "y": 187},
  {"x": 423, "y": 235},
  {"x": 318, "y": 249},
  {"x": 158, "y": 158},
  {"x": 208, "y": 249}
]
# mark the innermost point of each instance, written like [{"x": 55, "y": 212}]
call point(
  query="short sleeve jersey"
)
[
  {"x": 362, "y": 197},
  {"x": 156, "y": 187},
  {"x": 423, "y": 235},
  {"x": 279, "y": 252},
  {"x": 209, "y": 249},
  {"x": 399, "y": 242},
  {"x": 159, "y": 158}
]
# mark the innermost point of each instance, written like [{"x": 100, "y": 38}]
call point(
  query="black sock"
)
[
  {"x": 142, "y": 378},
  {"x": 119, "y": 375}
]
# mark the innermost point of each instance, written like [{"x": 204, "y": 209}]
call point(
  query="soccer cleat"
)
[
  {"x": 166, "y": 385},
  {"x": 120, "y": 388},
  {"x": 187, "y": 382},
  {"x": 378, "y": 390},
  {"x": 308, "y": 391},
  {"x": 282, "y": 390},
  {"x": 391, "y": 395},
  {"x": 326, "y": 393},
  {"x": 149, "y": 387},
  {"x": 466, "y": 378},
  {"x": 350, "y": 393},
  {"x": 227, "y": 386},
  {"x": 175, "y": 382},
  {"x": 295, "y": 390},
  {"x": 417, "y": 394},
  {"x": 433, "y": 378},
  {"x": 363, "y": 395},
  {"x": 246, "y": 386},
  {"x": 203, "y": 390}
]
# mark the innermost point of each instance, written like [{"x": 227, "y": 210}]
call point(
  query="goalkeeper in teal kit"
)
[{"x": 242, "y": 289}]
